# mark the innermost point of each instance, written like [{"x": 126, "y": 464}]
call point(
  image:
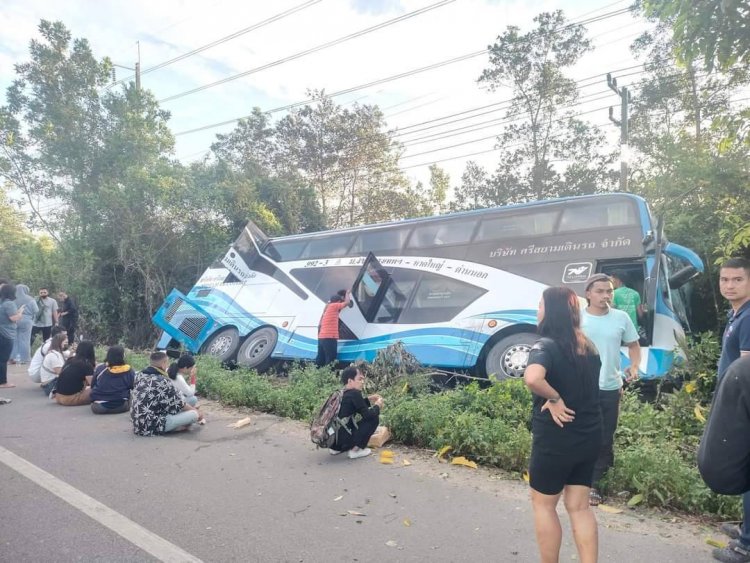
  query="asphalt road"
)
[{"x": 263, "y": 493}]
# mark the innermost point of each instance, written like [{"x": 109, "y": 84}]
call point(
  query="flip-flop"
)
[
  {"x": 595, "y": 498},
  {"x": 7, "y": 386}
]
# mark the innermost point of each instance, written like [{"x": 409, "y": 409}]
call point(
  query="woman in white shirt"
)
[
  {"x": 53, "y": 363},
  {"x": 178, "y": 371}
]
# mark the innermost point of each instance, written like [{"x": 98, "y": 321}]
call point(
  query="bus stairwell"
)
[{"x": 186, "y": 322}]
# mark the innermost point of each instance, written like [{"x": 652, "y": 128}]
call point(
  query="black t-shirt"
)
[
  {"x": 72, "y": 378},
  {"x": 578, "y": 387},
  {"x": 724, "y": 453}
]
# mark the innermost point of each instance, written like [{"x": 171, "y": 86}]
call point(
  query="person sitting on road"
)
[
  {"x": 178, "y": 371},
  {"x": 353, "y": 436},
  {"x": 112, "y": 383},
  {"x": 73, "y": 383},
  {"x": 157, "y": 406},
  {"x": 35, "y": 366},
  {"x": 53, "y": 364}
]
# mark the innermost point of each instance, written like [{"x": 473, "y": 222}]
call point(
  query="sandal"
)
[{"x": 595, "y": 498}]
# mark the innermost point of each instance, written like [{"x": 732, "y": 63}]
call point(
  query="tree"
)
[
  {"x": 541, "y": 132},
  {"x": 709, "y": 29},
  {"x": 474, "y": 190},
  {"x": 440, "y": 184}
]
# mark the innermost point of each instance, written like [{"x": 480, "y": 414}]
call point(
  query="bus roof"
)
[{"x": 458, "y": 214}]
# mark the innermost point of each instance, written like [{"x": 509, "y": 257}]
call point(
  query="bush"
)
[{"x": 655, "y": 446}]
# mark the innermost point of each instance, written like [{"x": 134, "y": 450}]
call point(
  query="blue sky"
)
[{"x": 168, "y": 28}]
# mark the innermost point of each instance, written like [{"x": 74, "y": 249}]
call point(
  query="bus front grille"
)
[
  {"x": 173, "y": 308},
  {"x": 192, "y": 326}
]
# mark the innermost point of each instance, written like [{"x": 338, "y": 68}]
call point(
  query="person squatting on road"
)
[
  {"x": 52, "y": 365},
  {"x": 73, "y": 383},
  {"x": 563, "y": 375},
  {"x": 608, "y": 329},
  {"x": 111, "y": 384},
  {"x": 354, "y": 434},
  {"x": 9, "y": 315},
  {"x": 328, "y": 330},
  {"x": 157, "y": 406},
  {"x": 178, "y": 371}
]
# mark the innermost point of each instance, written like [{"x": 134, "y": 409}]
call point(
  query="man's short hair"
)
[
  {"x": 57, "y": 329},
  {"x": 597, "y": 278},
  {"x": 737, "y": 262},
  {"x": 348, "y": 373},
  {"x": 157, "y": 357}
]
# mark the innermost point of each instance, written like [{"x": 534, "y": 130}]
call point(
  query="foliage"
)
[
  {"x": 533, "y": 65},
  {"x": 715, "y": 31},
  {"x": 698, "y": 372}
]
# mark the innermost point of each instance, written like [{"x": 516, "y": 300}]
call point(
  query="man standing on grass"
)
[
  {"x": 734, "y": 284},
  {"x": 608, "y": 329},
  {"x": 46, "y": 318}
]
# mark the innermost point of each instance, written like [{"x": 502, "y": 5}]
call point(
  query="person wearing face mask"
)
[
  {"x": 608, "y": 329},
  {"x": 46, "y": 318}
]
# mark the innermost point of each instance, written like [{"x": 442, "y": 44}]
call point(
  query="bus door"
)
[{"x": 367, "y": 292}]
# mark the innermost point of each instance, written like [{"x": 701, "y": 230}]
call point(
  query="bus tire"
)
[
  {"x": 255, "y": 352},
  {"x": 507, "y": 358},
  {"x": 223, "y": 344}
]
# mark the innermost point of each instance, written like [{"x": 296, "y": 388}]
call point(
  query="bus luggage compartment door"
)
[{"x": 185, "y": 321}]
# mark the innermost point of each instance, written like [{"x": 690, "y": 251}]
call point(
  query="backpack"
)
[{"x": 325, "y": 427}]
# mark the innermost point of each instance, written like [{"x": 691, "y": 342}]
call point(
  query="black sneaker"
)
[
  {"x": 735, "y": 552},
  {"x": 730, "y": 529}
]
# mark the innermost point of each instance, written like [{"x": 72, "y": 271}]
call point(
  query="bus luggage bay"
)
[{"x": 460, "y": 291}]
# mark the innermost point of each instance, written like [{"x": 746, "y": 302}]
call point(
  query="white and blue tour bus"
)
[{"x": 460, "y": 291}]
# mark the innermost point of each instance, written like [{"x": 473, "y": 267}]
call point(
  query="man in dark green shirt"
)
[{"x": 625, "y": 298}]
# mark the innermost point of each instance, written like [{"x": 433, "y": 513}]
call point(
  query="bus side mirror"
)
[{"x": 681, "y": 277}]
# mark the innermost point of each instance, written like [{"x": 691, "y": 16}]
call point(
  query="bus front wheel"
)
[
  {"x": 223, "y": 345},
  {"x": 508, "y": 356},
  {"x": 255, "y": 352}
]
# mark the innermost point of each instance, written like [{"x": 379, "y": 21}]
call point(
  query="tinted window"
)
[
  {"x": 379, "y": 241},
  {"x": 396, "y": 296},
  {"x": 442, "y": 233},
  {"x": 325, "y": 282},
  {"x": 284, "y": 250},
  {"x": 439, "y": 299},
  {"x": 513, "y": 226},
  {"x": 597, "y": 215},
  {"x": 328, "y": 247},
  {"x": 367, "y": 288}
]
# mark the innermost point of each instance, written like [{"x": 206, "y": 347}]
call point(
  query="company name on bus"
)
[{"x": 502, "y": 252}]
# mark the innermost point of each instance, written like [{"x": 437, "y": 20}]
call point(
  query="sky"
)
[{"x": 442, "y": 31}]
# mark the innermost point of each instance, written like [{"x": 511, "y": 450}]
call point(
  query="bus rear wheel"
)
[
  {"x": 255, "y": 352},
  {"x": 223, "y": 344},
  {"x": 508, "y": 356}
]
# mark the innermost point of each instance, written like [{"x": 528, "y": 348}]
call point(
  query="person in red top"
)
[{"x": 328, "y": 329}]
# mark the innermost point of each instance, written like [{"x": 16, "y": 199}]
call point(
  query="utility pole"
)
[
  {"x": 622, "y": 123},
  {"x": 137, "y": 69}
]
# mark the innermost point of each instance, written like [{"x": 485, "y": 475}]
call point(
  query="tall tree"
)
[
  {"x": 542, "y": 132},
  {"x": 440, "y": 185}
]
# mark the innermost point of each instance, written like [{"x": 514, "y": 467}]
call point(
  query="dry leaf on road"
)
[
  {"x": 461, "y": 460},
  {"x": 610, "y": 509}
]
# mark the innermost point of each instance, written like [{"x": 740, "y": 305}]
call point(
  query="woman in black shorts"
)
[{"x": 563, "y": 375}]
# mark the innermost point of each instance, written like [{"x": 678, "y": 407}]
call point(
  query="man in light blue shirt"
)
[{"x": 608, "y": 329}]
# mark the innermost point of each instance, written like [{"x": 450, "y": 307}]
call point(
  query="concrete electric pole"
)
[{"x": 622, "y": 123}]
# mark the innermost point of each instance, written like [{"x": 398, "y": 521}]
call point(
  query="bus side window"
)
[
  {"x": 439, "y": 299},
  {"x": 443, "y": 233}
]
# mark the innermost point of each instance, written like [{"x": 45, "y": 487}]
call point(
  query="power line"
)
[
  {"x": 375, "y": 82},
  {"x": 226, "y": 38},
  {"x": 315, "y": 49}
]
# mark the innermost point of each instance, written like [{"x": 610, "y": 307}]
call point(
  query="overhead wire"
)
[
  {"x": 311, "y": 50},
  {"x": 375, "y": 82}
]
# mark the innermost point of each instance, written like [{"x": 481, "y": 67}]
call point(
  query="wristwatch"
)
[{"x": 555, "y": 400}]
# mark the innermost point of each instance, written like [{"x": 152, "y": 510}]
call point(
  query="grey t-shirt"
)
[
  {"x": 7, "y": 327},
  {"x": 46, "y": 307}
]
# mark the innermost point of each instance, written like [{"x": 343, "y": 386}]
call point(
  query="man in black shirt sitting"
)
[{"x": 356, "y": 432}]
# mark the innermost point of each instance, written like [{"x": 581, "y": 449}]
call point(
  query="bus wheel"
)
[
  {"x": 255, "y": 352},
  {"x": 508, "y": 356},
  {"x": 223, "y": 344}
]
